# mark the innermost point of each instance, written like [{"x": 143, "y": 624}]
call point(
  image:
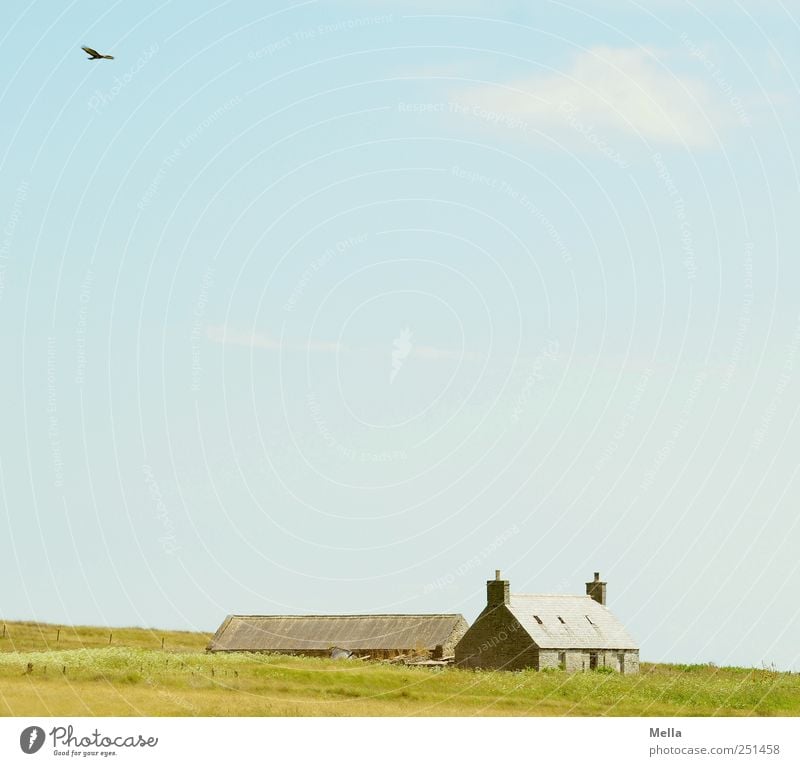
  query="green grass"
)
[{"x": 81, "y": 674}]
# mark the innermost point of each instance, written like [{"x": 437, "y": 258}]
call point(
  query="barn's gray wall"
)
[{"x": 449, "y": 646}]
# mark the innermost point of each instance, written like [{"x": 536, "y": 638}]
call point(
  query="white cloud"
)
[
  {"x": 605, "y": 92},
  {"x": 232, "y": 337},
  {"x": 222, "y": 334},
  {"x": 432, "y": 352}
]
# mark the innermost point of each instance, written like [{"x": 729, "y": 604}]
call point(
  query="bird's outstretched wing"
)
[{"x": 90, "y": 51}]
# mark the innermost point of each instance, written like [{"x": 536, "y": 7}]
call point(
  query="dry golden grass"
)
[{"x": 38, "y": 636}]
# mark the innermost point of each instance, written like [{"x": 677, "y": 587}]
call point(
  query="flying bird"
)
[{"x": 93, "y": 54}]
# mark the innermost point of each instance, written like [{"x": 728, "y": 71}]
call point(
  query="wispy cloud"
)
[
  {"x": 402, "y": 347},
  {"x": 432, "y": 352},
  {"x": 233, "y": 337},
  {"x": 629, "y": 91},
  {"x": 225, "y": 335}
]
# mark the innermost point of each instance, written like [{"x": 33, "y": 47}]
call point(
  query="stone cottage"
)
[{"x": 574, "y": 633}]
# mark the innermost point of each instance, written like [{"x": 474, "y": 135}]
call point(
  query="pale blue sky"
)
[{"x": 338, "y": 307}]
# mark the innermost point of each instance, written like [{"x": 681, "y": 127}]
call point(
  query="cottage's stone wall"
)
[
  {"x": 630, "y": 662},
  {"x": 548, "y": 659},
  {"x": 621, "y": 661},
  {"x": 497, "y": 641}
]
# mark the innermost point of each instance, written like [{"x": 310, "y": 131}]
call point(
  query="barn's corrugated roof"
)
[
  {"x": 569, "y": 622},
  {"x": 284, "y": 633}
]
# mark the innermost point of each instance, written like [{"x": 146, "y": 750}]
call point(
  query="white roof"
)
[{"x": 569, "y": 622}]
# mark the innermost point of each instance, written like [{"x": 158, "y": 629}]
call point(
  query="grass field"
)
[{"x": 75, "y": 671}]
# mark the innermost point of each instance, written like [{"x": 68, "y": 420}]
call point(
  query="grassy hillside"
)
[
  {"x": 81, "y": 674},
  {"x": 38, "y": 636}
]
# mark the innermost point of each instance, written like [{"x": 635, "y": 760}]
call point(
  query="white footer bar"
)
[{"x": 402, "y": 741}]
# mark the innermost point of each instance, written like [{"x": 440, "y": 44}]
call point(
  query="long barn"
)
[{"x": 363, "y": 635}]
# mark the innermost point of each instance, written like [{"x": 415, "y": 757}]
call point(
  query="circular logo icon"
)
[{"x": 31, "y": 739}]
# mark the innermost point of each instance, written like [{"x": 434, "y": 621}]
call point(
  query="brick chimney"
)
[
  {"x": 597, "y": 589},
  {"x": 497, "y": 590}
]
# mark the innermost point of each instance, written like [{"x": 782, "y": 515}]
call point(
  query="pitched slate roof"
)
[
  {"x": 284, "y": 633},
  {"x": 569, "y": 622}
]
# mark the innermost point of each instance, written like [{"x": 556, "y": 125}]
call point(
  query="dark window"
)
[
  {"x": 593, "y": 661},
  {"x": 562, "y": 660},
  {"x": 538, "y": 619}
]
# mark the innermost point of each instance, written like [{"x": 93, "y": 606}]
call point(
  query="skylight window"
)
[
  {"x": 590, "y": 622},
  {"x": 538, "y": 619},
  {"x": 561, "y": 619}
]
